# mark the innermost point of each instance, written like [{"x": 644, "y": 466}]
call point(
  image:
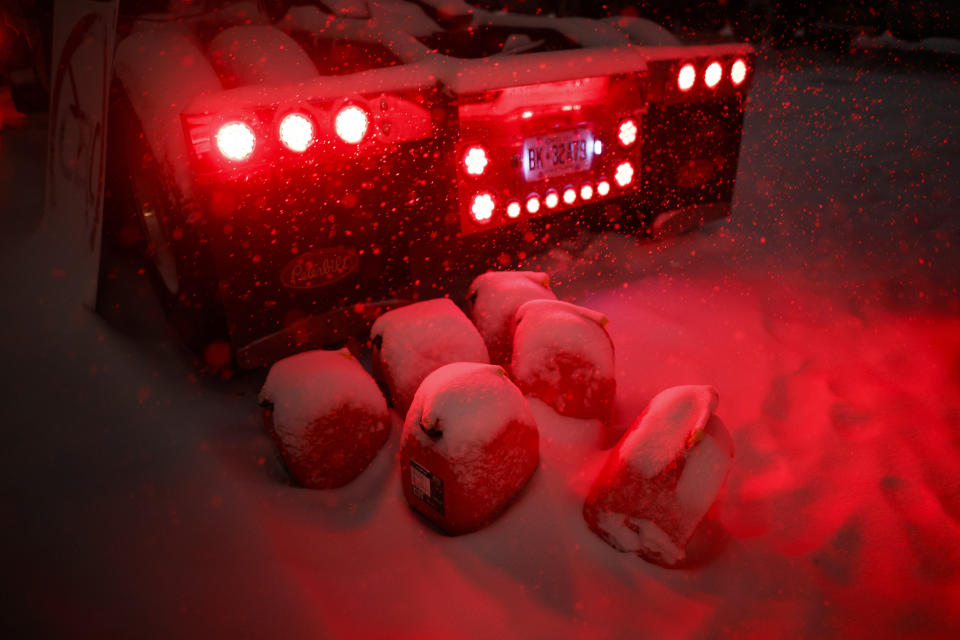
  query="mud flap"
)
[{"x": 680, "y": 221}]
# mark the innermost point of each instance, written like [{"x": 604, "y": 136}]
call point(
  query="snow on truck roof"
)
[
  {"x": 461, "y": 76},
  {"x": 243, "y": 52},
  {"x": 596, "y": 48}
]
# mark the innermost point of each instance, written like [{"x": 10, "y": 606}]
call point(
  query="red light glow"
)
[
  {"x": 586, "y": 192},
  {"x": 296, "y": 132},
  {"x": 569, "y": 195},
  {"x": 738, "y": 72},
  {"x": 686, "y": 77},
  {"x": 236, "y": 141},
  {"x": 628, "y": 132},
  {"x": 551, "y": 199},
  {"x": 482, "y": 207},
  {"x": 603, "y": 188},
  {"x": 351, "y": 124},
  {"x": 624, "y": 175},
  {"x": 513, "y": 209},
  {"x": 713, "y": 74},
  {"x": 475, "y": 161},
  {"x": 533, "y": 204}
]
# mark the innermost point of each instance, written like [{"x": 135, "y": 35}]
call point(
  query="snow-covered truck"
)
[{"x": 296, "y": 168}]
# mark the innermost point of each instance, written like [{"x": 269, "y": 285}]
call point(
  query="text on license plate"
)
[{"x": 557, "y": 154}]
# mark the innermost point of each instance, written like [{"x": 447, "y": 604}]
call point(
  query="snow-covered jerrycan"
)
[
  {"x": 469, "y": 445},
  {"x": 563, "y": 355},
  {"x": 492, "y": 301},
  {"x": 325, "y": 415},
  {"x": 411, "y": 341},
  {"x": 662, "y": 477}
]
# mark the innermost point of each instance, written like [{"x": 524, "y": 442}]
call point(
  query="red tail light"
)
[
  {"x": 236, "y": 141},
  {"x": 351, "y": 124},
  {"x": 624, "y": 175},
  {"x": 513, "y": 209},
  {"x": 628, "y": 132},
  {"x": 569, "y": 195},
  {"x": 296, "y": 132},
  {"x": 475, "y": 161},
  {"x": 586, "y": 192},
  {"x": 738, "y": 72},
  {"x": 533, "y": 203},
  {"x": 711, "y": 77},
  {"x": 603, "y": 188},
  {"x": 482, "y": 207},
  {"x": 686, "y": 77},
  {"x": 551, "y": 199}
]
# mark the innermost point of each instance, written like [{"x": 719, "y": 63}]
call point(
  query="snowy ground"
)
[{"x": 141, "y": 501}]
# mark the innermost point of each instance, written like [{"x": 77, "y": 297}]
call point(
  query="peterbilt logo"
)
[{"x": 319, "y": 268}]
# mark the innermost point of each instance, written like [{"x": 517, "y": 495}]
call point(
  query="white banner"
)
[{"x": 84, "y": 32}]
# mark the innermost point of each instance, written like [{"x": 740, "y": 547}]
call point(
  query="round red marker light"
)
[
  {"x": 235, "y": 140},
  {"x": 628, "y": 132},
  {"x": 738, "y": 72},
  {"x": 603, "y": 188},
  {"x": 296, "y": 132},
  {"x": 533, "y": 204},
  {"x": 551, "y": 199},
  {"x": 482, "y": 207},
  {"x": 686, "y": 77},
  {"x": 624, "y": 174},
  {"x": 569, "y": 195},
  {"x": 475, "y": 161},
  {"x": 586, "y": 192},
  {"x": 351, "y": 124},
  {"x": 713, "y": 74},
  {"x": 513, "y": 209}
]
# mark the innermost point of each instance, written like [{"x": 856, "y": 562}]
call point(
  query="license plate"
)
[{"x": 557, "y": 154}]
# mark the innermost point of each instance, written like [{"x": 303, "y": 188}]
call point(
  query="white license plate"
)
[{"x": 557, "y": 154}]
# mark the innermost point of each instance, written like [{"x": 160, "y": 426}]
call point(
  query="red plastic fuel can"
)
[{"x": 469, "y": 445}]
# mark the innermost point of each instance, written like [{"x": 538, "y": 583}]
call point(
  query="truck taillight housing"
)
[
  {"x": 542, "y": 149},
  {"x": 297, "y": 132},
  {"x": 232, "y": 139},
  {"x": 236, "y": 141},
  {"x": 723, "y": 71}
]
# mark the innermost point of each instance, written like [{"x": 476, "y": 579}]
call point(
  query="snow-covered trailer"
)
[{"x": 296, "y": 168}]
